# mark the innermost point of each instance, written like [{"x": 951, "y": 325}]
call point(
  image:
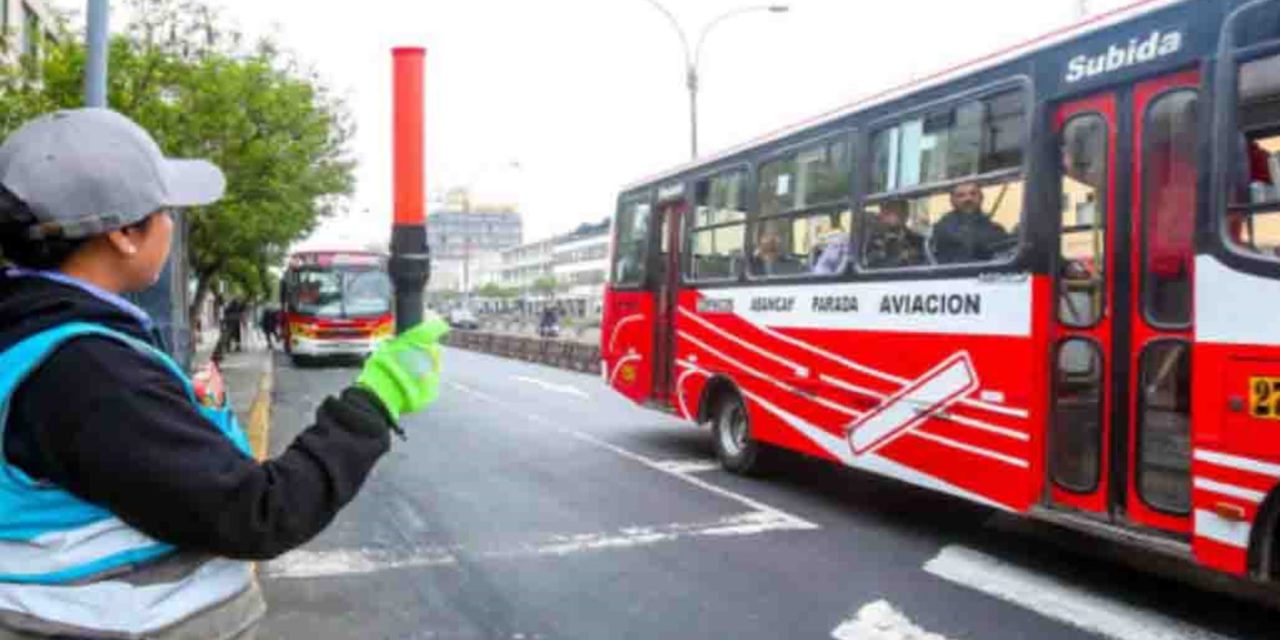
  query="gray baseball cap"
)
[{"x": 84, "y": 172}]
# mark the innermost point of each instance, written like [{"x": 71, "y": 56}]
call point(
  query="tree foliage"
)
[{"x": 181, "y": 72}]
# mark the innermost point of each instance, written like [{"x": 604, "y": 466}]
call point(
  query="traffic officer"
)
[{"x": 129, "y": 508}]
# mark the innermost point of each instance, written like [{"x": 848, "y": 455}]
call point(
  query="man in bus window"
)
[
  {"x": 966, "y": 234},
  {"x": 891, "y": 244},
  {"x": 770, "y": 259}
]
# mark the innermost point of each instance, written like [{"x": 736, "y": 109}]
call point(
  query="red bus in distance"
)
[{"x": 335, "y": 303}]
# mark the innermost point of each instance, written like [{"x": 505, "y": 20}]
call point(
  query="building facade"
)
[
  {"x": 27, "y": 26},
  {"x": 580, "y": 262},
  {"x": 466, "y": 240}
]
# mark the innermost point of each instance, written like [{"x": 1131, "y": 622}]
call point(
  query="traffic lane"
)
[
  {"x": 466, "y": 460},
  {"x": 875, "y": 550},
  {"x": 858, "y": 506},
  {"x": 405, "y": 518}
]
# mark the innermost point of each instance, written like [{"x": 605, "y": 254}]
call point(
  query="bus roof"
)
[{"x": 991, "y": 60}]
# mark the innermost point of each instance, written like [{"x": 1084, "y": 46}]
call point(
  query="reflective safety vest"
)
[{"x": 68, "y": 567}]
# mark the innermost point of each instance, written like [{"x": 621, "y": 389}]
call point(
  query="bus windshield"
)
[{"x": 341, "y": 293}]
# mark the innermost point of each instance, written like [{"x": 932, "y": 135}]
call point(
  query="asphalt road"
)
[{"x": 534, "y": 503}]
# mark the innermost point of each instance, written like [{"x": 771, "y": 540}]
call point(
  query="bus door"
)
[
  {"x": 627, "y": 326},
  {"x": 1119, "y": 431},
  {"x": 671, "y": 214}
]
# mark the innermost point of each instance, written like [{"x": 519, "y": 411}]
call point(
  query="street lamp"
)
[{"x": 694, "y": 56}]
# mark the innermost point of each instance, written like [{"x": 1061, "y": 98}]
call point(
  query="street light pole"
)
[
  {"x": 95, "y": 68},
  {"x": 692, "y": 57}
]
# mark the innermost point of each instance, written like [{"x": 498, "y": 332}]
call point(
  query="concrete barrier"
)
[{"x": 563, "y": 354}]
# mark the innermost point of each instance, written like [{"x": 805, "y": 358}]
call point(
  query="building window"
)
[
  {"x": 803, "y": 223},
  {"x": 31, "y": 33}
]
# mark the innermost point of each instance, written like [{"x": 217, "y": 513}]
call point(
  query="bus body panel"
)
[
  {"x": 814, "y": 362},
  {"x": 957, "y": 395},
  {"x": 627, "y": 334},
  {"x": 1236, "y": 461}
]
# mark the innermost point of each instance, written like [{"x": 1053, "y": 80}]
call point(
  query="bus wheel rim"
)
[{"x": 734, "y": 432}]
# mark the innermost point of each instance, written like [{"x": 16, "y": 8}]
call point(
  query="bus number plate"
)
[{"x": 1264, "y": 397}]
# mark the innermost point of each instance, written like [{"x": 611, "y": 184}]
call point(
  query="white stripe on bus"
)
[
  {"x": 1229, "y": 532},
  {"x": 795, "y": 367},
  {"x": 975, "y": 450},
  {"x": 1238, "y": 463},
  {"x": 1013, "y": 412},
  {"x": 1222, "y": 488}
]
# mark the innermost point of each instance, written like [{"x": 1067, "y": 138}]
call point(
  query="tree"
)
[
  {"x": 495, "y": 290},
  {"x": 279, "y": 135},
  {"x": 545, "y": 286}
]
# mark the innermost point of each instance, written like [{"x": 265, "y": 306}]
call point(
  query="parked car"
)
[{"x": 462, "y": 318}]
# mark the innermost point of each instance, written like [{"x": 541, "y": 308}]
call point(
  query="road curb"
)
[{"x": 259, "y": 427}]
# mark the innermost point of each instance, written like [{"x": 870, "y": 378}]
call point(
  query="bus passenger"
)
[
  {"x": 891, "y": 243},
  {"x": 832, "y": 252},
  {"x": 966, "y": 234},
  {"x": 770, "y": 259}
]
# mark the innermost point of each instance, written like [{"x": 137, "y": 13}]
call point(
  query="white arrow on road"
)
[
  {"x": 566, "y": 389},
  {"x": 880, "y": 621}
]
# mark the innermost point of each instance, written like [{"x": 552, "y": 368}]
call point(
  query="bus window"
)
[
  {"x": 1253, "y": 218},
  {"x": 1082, "y": 263},
  {"x": 632, "y": 241},
  {"x": 955, "y": 173},
  {"x": 1075, "y": 437},
  {"x": 1169, "y": 202},
  {"x": 1164, "y": 432},
  {"x": 804, "y": 218},
  {"x": 718, "y": 235}
]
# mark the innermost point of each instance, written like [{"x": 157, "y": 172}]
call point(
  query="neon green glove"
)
[{"x": 405, "y": 371}]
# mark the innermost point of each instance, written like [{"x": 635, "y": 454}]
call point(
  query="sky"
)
[{"x": 557, "y": 104}]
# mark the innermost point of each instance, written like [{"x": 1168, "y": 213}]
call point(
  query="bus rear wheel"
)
[{"x": 737, "y": 451}]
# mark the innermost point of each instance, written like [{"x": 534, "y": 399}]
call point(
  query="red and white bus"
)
[
  {"x": 335, "y": 303},
  {"x": 1047, "y": 281}
]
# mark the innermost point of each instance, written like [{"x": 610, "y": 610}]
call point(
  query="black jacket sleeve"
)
[{"x": 115, "y": 428}]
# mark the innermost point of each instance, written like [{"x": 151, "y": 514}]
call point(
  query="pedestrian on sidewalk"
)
[
  {"x": 269, "y": 323},
  {"x": 128, "y": 506}
]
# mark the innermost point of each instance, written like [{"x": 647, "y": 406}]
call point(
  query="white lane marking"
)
[
  {"x": 688, "y": 466},
  {"x": 567, "y": 389},
  {"x": 798, "y": 523},
  {"x": 303, "y": 564},
  {"x": 1232, "y": 533},
  {"x": 880, "y": 621},
  {"x": 1058, "y": 600},
  {"x": 1232, "y": 490},
  {"x": 1239, "y": 463},
  {"x": 795, "y": 367}
]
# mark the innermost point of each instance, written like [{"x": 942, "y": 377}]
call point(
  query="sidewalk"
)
[{"x": 247, "y": 375}]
